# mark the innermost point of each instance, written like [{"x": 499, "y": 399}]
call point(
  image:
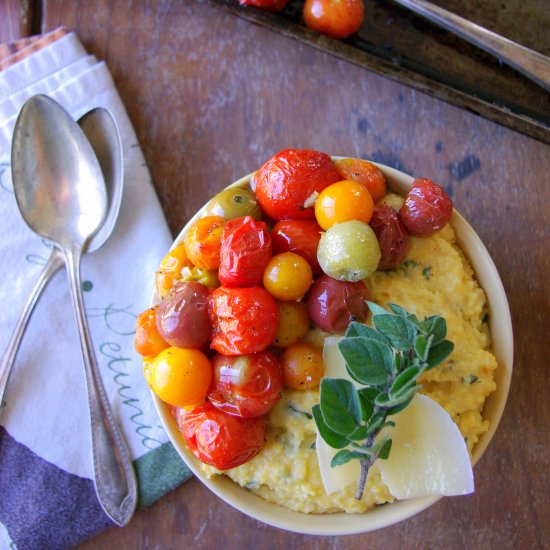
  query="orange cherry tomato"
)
[
  {"x": 294, "y": 323},
  {"x": 220, "y": 439},
  {"x": 335, "y": 18},
  {"x": 287, "y": 276},
  {"x": 363, "y": 172},
  {"x": 343, "y": 201},
  {"x": 303, "y": 366},
  {"x": 286, "y": 184},
  {"x": 203, "y": 242},
  {"x": 244, "y": 320},
  {"x": 148, "y": 341},
  {"x": 170, "y": 270},
  {"x": 181, "y": 377}
]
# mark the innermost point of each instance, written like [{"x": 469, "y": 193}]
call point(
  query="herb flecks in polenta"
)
[{"x": 388, "y": 360}]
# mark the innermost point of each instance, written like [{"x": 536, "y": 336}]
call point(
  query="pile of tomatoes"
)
[{"x": 253, "y": 275}]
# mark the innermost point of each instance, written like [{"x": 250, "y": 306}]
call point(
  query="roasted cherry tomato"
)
[
  {"x": 303, "y": 366},
  {"x": 391, "y": 234},
  {"x": 246, "y": 385},
  {"x": 171, "y": 269},
  {"x": 244, "y": 320},
  {"x": 332, "y": 304},
  {"x": 180, "y": 377},
  {"x": 220, "y": 439},
  {"x": 245, "y": 252},
  {"x": 365, "y": 173},
  {"x": 203, "y": 241},
  {"x": 427, "y": 208},
  {"x": 206, "y": 277},
  {"x": 148, "y": 341},
  {"x": 298, "y": 236},
  {"x": 335, "y": 18},
  {"x": 287, "y": 276},
  {"x": 183, "y": 318},
  {"x": 268, "y": 5},
  {"x": 287, "y": 183},
  {"x": 294, "y": 323},
  {"x": 234, "y": 202},
  {"x": 343, "y": 201}
]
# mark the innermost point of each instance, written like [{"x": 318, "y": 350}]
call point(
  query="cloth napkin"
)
[{"x": 47, "y": 497}]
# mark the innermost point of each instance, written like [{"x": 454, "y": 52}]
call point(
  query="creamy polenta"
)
[{"x": 435, "y": 278}]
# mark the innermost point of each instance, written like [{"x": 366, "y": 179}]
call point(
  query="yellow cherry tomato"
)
[
  {"x": 181, "y": 377},
  {"x": 206, "y": 277},
  {"x": 203, "y": 242},
  {"x": 294, "y": 323},
  {"x": 170, "y": 270},
  {"x": 343, "y": 201},
  {"x": 287, "y": 276},
  {"x": 303, "y": 366}
]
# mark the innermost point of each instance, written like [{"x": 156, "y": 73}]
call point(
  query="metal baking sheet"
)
[{"x": 405, "y": 47}]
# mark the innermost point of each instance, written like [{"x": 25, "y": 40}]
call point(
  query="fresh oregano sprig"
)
[{"x": 387, "y": 360}]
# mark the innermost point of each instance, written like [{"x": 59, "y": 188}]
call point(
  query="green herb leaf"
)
[
  {"x": 368, "y": 361},
  {"x": 334, "y": 440},
  {"x": 366, "y": 398},
  {"x": 376, "y": 309},
  {"x": 364, "y": 331},
  {"x": 384, "y": 450},
  {"x": 436, "y": 326},
  {"x": 340, "y": 405},
  {"x": 421, "y": 347},
  {"x": 344, "y": 456},
  {"x": 404, "y": 381},
  {"x": 358, "y": 434},
  {"x": 399, "y": 331},
  {"x": 439, "y": 353}
]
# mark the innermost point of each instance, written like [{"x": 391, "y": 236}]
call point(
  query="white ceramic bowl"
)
[{"x": 341, "y": 523}]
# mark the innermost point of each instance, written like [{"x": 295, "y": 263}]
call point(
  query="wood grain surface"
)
[{"x": 211, "y": 97}]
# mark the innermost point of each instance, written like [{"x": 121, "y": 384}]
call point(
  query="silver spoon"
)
[
  {"x": 102, "y": 133},
  {"x": 61, "y": 194}
]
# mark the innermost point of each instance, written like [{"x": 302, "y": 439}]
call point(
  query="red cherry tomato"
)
[
  {"x": 219, "y": 439},
  {"x": 391, "y": 234},
  {"x": 246, "y": 385},
  {"x": 288, "y": 179},
  {"x": 427, "y": 208},
  {"x": 245, "y": 320},
  {"x": 183, "y": 318},
  {"x": 268, "y": 5},
  {"x": 333, "y": 305},
  {"x": 299, "y": 236},
  {"x": 245, "y": 252},
  {"x": 335, "y": 18}
]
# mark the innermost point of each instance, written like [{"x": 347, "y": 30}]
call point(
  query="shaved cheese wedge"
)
[{"x": 428, "y": 455}]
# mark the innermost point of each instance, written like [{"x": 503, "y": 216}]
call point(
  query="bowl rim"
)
[{"x": 342, "y": 523}]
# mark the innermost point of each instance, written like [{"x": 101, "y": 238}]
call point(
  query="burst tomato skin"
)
[
  {"x": 391, "y": 234},
  {"x": 246, "y": 385},
  {"x": 245, "y": 252},
  {"x": 268, "y": 5},
  {"x": 219, "y": 439},
  {"x": 299, "y": 236},
  {"x": 427, "y": 208},
  {"x": 335, "y": 18},
  {"x": 289, "y": 178},
  {"x": 244, "y": 320}
]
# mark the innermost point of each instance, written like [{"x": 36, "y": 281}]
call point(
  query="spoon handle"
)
[
  {"x": 115, "y": 481},
  {"x": 54, "y": 263}
]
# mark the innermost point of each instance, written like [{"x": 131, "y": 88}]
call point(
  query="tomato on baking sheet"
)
[
  {"x": 245, "y": 252},
  {"x": 220, "y": 439},
  {"x": 246, "y": 385},
  {"x": 244, "y": 320},
  {"x": 298, "y": 236},
  {"x": 335, "y": 18},
  {"x": 287, "y": 184}
]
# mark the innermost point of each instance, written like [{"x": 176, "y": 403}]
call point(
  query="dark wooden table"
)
[{"x": 211, "y": 97}]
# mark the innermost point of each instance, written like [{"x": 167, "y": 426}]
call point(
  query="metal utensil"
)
[
  {"x": 102, "y": 133},
  {"x": 61, "y": 194},
  {"x": 533, "y": 65}
]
